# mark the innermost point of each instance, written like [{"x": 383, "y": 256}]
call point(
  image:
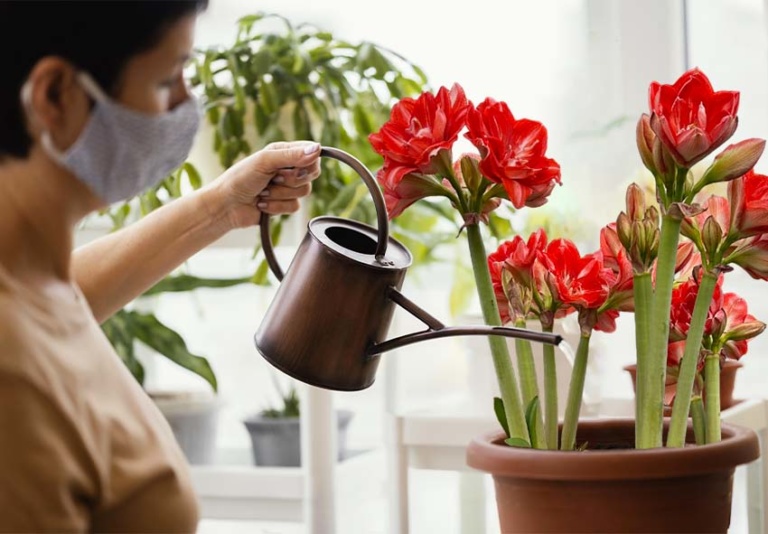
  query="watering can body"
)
[{"x": 333, "y": 306}]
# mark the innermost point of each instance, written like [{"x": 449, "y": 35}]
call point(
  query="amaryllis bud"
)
[
  {"x": 645, "y": 137},
  {"x": 470, "y": 171},
  {"x": 746, "y": 330},
  {"x": 718, "y": 323},
  {"x": 665, "y": 165},
  {"x": 624, "y": 230},
  {"x": 711, "y": 235},
  {"x": 652, "y": 215},
  {"x": 519, "y": 297},
  {"x": 635, "y": 199},
  {"x": 734, "y": 161}
]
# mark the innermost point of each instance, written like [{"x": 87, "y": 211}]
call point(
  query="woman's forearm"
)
[{"x": 117, "y": 268}]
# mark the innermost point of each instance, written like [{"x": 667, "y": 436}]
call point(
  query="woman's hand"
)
[{"x": 270, "y": 180}]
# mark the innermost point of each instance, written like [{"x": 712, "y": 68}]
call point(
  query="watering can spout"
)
[{"x": 437, "y": 330}]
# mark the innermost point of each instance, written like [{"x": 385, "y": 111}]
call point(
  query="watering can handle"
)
[{"x": 378, "y": 202}]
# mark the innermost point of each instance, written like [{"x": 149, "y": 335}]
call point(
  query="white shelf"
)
[{"x": 273, "y": 493}]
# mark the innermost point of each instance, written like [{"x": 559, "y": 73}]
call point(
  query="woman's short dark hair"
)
[{"x": 98, "y": 37}]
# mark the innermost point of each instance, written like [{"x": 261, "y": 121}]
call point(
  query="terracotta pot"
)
[
  {"x": 727, "y": 384},
  {"x": 611, "y": 487}
]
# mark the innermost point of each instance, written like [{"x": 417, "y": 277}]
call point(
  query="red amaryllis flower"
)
[
  {"x": 581, "y": 281},
  {"x": 401, "y": 187},
  {"x": 690, "y": 118},
  {"x": 516, "y": 256},
  {"x": 748, "y": 196},
  {"x": 752, "y": 256},
  {"x": 683, "y": 301},
  {"x": 739, "y": 325},
  {"x": 419, "y": 128},
  {"x": 513, "y": 153}
]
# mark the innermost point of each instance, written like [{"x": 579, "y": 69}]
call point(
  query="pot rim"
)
[{"x": 740, "y": 445}]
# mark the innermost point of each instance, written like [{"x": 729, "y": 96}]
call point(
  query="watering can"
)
[{"x": 328, "y": 322}]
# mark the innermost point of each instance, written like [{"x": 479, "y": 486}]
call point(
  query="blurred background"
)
[{"x": 582, "y": 67}]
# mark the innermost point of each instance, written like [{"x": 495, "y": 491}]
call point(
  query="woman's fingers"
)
[
  {"x": 296, "y": 177},
  {"x": 281, "y": 192},
  {"x": 276, "y": 207}
]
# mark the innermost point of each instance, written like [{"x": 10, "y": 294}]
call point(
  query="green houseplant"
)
[
  {"x": 281, "y": 80},
  {"x": 535, "y": 459}
]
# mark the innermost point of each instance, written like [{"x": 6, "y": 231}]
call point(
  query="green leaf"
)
[
  {"x": 501, "y": 414},
  {"x": 261, "y": 119},
  {"x": 517, "y": 442},
  {"x": 261, "y": 276},
  {"x": 118, "y": 331},
  {"x": 193, "y": 175},
  {"x": 500, "y": 227},
  {"x": 362, "y": 120},
  {"x": 156, "y": 335},
  {"x": 531, "y": 415},
  {"x": 186, "y": 282}
]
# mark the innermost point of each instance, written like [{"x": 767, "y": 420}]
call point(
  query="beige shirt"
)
[{"x": 82, "y": 447}]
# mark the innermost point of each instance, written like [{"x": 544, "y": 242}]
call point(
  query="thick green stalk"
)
[
  {"x": 643, "y": 293},
  {"x": 684, "y": 389},
  {"x": 652, "y": 398},
  {"x": 550, "y": 394},
  {"x": 505, "y": 374},
  {"x": 699, "y": 420},
  {"x": 575, "y": 394},
  {"x": 528, "y": 386},
  {"x": 712, "y": 392}
]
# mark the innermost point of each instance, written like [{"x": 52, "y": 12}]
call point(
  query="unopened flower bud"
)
[
  {"x": 624, "y": 230},
  {"x": 746, "y": 330},
  {"x": 665, "y": 164},
  {"x": 734, "y": 161},
  {"x": 652, "y": 214},
  {"x": 645, "y": 137},
  {"x": 470, "y": 171},
  {"x": 711, "y": 235},
  {"x": 719, "y": 321},
  {"x": 635, "y": 199}
]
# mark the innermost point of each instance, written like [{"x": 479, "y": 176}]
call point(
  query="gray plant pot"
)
[
  {"x": 277, "y": 442},
  {"x": 194, "y": 420}
]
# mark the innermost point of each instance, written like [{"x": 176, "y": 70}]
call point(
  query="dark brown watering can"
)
[{"x": 329, "y": 319}]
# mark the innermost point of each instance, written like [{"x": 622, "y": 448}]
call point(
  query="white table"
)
[{"x": 437, "y": 439}]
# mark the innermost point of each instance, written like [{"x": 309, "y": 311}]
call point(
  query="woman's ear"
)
[{"x": 55, "y": 102}]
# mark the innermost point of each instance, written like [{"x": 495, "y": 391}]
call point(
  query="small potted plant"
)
[
  {"x": 603, "y": 475},
  {"x": 276, "y": 432}
]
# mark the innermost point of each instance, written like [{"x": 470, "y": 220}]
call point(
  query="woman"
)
[{"x": 93, "y": 108}]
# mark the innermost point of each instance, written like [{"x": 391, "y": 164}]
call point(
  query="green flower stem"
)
[
  {"x": 528, "y": 386},
  {"x": 649, "y": 433},
  {"x": 643, "y": 292},
  {"x": 699, "y": 420},
  {"x": 502, "y": 363},
  {"x": 575, "y": 394},
  {"x": 681, "y": 408},
  {"x": 712, "y": 391},
  {"x": 550, "y": 394}
]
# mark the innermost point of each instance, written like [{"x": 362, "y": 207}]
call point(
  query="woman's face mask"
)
[{"x": 122, "y": 152}]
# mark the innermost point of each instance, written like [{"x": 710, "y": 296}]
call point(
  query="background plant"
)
[{"x": 280, "y": 81}]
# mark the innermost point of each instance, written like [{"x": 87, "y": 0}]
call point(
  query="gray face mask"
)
[{"x": 121, "y": 152}]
